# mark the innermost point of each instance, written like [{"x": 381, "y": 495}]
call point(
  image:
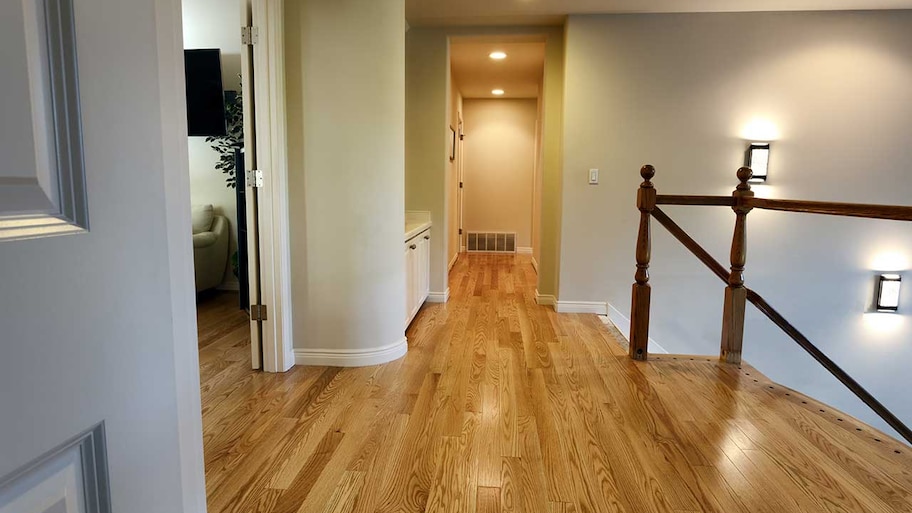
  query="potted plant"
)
[{"x": 225, "y": 146}]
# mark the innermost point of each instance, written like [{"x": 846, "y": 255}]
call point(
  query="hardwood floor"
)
[{"x": 502, "y": 405}]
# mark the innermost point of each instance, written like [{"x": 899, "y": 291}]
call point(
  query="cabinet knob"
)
[
  {"x": 427, "y": 237},
  {"x": 413, "y": 246}
]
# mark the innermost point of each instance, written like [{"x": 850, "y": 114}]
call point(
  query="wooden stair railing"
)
[{"x": 737, "y": 294}]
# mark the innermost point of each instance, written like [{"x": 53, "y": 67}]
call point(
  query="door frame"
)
[
  {"x": 273, "y": 219},
  {"x": 175, "y": 160},
  {"x": 272, "y": 142}
]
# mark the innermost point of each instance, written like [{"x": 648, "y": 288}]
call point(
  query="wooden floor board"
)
[{"x": 503, "y": 405}]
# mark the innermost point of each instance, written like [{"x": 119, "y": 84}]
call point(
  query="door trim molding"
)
[
  {"x": 176, "y": 165},
  {"x": 271, "y": 141},
  {"x": 53, "y": 202}
]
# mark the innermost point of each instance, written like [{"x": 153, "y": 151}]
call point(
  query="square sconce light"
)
[
  {"x": 757, "y": 158},
  {"x": 887, "y": 299}
]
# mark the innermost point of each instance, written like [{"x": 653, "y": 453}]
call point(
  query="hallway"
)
[{"x": 503, "y": 405}]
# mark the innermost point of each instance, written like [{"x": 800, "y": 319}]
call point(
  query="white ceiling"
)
[
  {"x": 512, "y": 12},
  {"x": 476, "y": 74}
]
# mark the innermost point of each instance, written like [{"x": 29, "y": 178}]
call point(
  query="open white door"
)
[
  {"x": 254, "y": 181},
  {"x": 99, "y": 378},
  {"x": 263, "y": 79}
]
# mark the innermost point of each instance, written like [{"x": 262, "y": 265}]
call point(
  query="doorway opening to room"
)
[
  {"x": 217, "y": 106},
  {"x": 494, "y": 187}
]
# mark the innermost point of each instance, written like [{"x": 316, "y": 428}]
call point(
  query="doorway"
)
[
  {"x": 219, "y": 101},
  {"x": 248, "y": 34},
  {"x": 496, "y": 98}
]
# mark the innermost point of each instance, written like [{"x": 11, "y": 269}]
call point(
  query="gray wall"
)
[{"x": 682, "y": 92}]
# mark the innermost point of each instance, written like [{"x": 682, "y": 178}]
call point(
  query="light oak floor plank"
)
[{"x": 504, "y": 405}]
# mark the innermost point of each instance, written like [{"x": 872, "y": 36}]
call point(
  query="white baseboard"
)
[
  {"x": 545, "y": 299},
  {"x": 523, "y": 251},
  {"x": 622, "y": 323},
  {"x": 439, "y": 297},
  {"x": 535, "y": 264},
  {"x": 232, "y": 286},
  {"x": 590, "y": 307},
  {"x": 453, "y": 261},
  {"x": 350, "y": 357}
]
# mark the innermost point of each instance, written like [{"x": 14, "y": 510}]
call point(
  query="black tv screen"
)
[{"x": 205, "y": 97}]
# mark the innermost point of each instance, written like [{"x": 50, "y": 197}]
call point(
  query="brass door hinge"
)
[{"x": 257, "y": 312}]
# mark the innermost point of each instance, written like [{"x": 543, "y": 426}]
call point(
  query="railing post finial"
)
[
  {"x": 647, "y": 172},
  {"x": 744, "y": 175},
  {"x": 639, "y": 310}
]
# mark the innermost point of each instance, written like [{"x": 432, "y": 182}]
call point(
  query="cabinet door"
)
[
  {"x": 424, "y": 271},
  {"x": 409, "y": 284},
  {"x": 415, "y": 247}
]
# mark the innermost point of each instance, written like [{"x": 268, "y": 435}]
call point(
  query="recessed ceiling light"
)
[
  {"x": 498, "y": 56},
  {"x": 497, "y": 92}
]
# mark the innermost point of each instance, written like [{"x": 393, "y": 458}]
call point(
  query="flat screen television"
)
[{"x": 205, "y": 96}]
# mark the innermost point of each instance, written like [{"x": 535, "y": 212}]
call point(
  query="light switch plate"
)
[{"x": 593, "y": 176}]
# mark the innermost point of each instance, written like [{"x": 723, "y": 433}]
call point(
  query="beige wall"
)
[
  {"x": 552, "y": 165},
  {"x": 537, "y": 185},
  {"x": 500, "y": 166},
  {"x": 346, "y": 126},
  {"x": 427, "y": 156},
  {"x": 682, "y": 92}
]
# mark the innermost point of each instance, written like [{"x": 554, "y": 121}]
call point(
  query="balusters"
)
[
  {"x": 735, "y": 293},
  {"x": 639, "y": 310}
]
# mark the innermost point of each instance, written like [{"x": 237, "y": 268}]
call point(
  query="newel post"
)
[
  {"x": 735, "y": 293},
  {"x": 639, "y": 309}
]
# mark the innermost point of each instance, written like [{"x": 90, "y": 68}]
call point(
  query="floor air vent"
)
[{"x": 485, "y": 242}]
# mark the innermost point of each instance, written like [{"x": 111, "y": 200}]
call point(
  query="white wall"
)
[
  {"x": 681, "y": 92},
  {"x": 500, "y": 166},
  {"x": 346, "y": 133},
  {"x": 214, "y": 24}
]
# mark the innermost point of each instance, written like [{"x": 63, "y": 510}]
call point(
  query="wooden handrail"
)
[
  {"x": 704, "y": 201},
  {"x": 829, "y": 364},
  {"x": 736, "y": 294},
  {"x": 891, "y": 212},
  {"x": 694, "y": 247}
]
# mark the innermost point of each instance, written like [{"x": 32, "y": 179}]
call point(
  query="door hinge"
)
[
  {"x": 460, "y": 185},
  {"x": 460, "y": 231},
  {"x": 254, "y": 178},
  {"x": 257, "y": 312},
  {"x": 249, "y": 36}
]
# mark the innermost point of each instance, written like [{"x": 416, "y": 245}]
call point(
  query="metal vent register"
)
[{"x": 491, "y": 242}]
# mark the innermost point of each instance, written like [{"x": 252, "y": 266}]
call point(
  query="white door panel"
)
[
  {"x": 87, "y": 330},
  {"x": 41, "y": 172}
]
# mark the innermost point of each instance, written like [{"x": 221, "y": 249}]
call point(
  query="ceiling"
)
[
  {"x": 545, "y": 12},
  {"x": 476, "y": 74}
]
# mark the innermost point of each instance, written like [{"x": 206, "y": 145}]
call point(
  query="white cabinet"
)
[{"x": 417, "y": 273}]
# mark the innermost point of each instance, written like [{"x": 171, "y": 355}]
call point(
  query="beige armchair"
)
[{"x": 210, "y": 247}]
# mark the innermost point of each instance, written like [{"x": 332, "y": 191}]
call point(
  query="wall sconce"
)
[
  {"x": 887, "y": 299},
  {"x": 757, "y": 158}
]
